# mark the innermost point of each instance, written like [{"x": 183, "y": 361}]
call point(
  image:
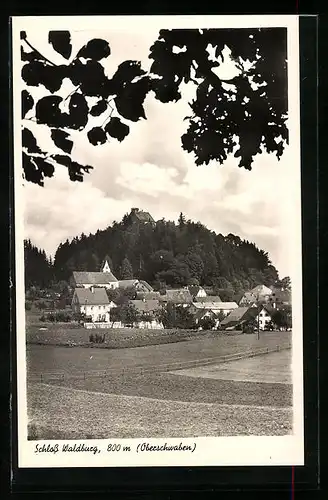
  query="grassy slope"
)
[
  {"x": 62, "y": 413},
  {"x": 190, "y": 389},
  {"x": 76, "y": 360}
]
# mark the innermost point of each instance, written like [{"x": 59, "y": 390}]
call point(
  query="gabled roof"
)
[
  {"x": 209, "y": 298},
  {"x": 281, "y": 295},
  {"x": 200, "y": 313},
  {"x": 146, "y": 305},
  {"x": 218, "y": 306},
  {"x": 248, "y": 297},
  {"x": 93, "y": 278},
  {"x": 127, "y": 283},
  {"x": 261, "y": 290},
  {"x": 240, "y": 314},
  {"x": 87, "y": 297},
  {"x": 146, "y": 285},
  {"x": 178, "y": 296}
]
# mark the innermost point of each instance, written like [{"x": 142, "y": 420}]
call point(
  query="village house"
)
[
  {"x": 200, "y": 314},
  {"x": 103, "y": 278},
  {"x": 280, "y": 298},
  {"x": 239, "y": 317},
  {"x": 180, "y": 296},
  {"x": 92, "y": 302},
  {"x": 147, "y": 310},
  {"x": 259, "y": 293},
  {"x": 197, "y": 291},
  {"x": 138, "y": 285},
  {"x": 216, "y": 307},
  {"x": 208, "y": 298}
]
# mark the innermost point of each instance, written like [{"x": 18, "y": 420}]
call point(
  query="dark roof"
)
[
  {"x": 281, "y": 295},
  {"x": 146, "y": 305},
  {"x": 127, "y": 283},
  {"x": 95, "y": 298},
  {"x": 208, "y": 298},
  {"x": 93, "y": 278},
  {"x": 180, "y": 296},
  {"x": 133, "y": 283},
  {"x": 146, "y": 285},
  {"x": 240, "y": 314}
]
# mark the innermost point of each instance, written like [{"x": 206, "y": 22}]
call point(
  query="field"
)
[
  {"x": 158, "y": 402},
  {"x": 70, "y": 334}
]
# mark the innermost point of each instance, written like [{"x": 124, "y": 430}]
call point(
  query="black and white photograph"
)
[{"x": 158, "y": 240}]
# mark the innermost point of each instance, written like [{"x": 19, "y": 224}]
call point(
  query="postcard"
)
[{"x": 158, "y": 275}]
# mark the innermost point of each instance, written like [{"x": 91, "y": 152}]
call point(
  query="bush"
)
[
  {"x": 98, "y": 338},
  {"x": 207, "y": 323}
]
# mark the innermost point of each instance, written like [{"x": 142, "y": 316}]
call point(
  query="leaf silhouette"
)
[
  {"x": 60, "y": 138},
  {"x": 78, "y": 112},
  {"x": 61, "y": 42},
  {"x": 97, "y": 136},
  {"x": 115, "y": 128},
  {"x": 44, "y": 166},
  {"x": 95, "y": 49},
  {"x": 27, "y": 102},
  {"x": 75, "y": 170},
  {"x": 47, "y": 112},
  {"x": 29, "y": 141},
  {"x": 99, "y": 108},
  {"x": 129, "y": 101},
  {"x": 31, "y": 171}
]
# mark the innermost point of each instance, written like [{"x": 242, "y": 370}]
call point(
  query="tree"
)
[
  {"x": 242, "y": 116},
  {"x": 285, "y": 283},
  {"x": 126, "y": 313},
  {"x": 195, "y": 265},
  {"x": 126, "y": 270},
  {"x": 207, "y": 323},
  {"x": 175, "y": 316},
  {"x": 282, "y": 318},
  {"x": 181, "y": 220}
]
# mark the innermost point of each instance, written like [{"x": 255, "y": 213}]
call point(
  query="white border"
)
[{"x": 221, "y": 451}]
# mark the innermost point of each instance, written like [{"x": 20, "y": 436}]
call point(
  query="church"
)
[{"x": 103, "y": 278}]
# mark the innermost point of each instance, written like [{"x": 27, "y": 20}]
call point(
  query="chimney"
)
[{"x": 92, "y": 288}]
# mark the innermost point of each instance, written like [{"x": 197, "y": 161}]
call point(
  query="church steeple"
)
[{"x": 105, "y": 266}]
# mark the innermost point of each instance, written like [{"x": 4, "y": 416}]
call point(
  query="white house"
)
[
  {"x": 263, "y": 318},
  {"x": 105, "y": 278},
  {"x": 93, "y": 302}
]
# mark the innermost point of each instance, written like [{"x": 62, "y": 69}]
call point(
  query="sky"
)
[{"x": 150, "y": 170}]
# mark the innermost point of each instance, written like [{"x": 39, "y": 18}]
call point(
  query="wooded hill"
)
[{"x": 165, "y": 254}]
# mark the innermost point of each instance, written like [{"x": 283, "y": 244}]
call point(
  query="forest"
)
[{"x": 166, "y": 254}]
